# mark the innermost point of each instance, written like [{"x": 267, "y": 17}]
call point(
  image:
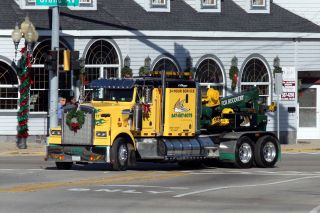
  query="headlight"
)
[
  {"x": 55, "y": 132},
  {"x": 101, "y": 134}
]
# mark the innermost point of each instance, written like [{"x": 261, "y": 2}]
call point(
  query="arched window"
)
[
  {"x": 101, "y": 61},
  {"x": 255, "y": 73},
  {"x": 166, "y": 64},
  {"x": 8, "y": 87},
  {"x": 210, "y": 75},
  {"x": 40, "y": 88}
]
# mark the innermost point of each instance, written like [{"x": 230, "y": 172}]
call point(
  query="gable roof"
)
[{"x": 128, "y": 15}]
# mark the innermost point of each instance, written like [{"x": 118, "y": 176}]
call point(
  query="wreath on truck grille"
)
[{"x": 75, "y": 119}]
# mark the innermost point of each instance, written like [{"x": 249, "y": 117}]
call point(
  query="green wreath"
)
[
  {"x": 75, "y": 124},
  {"x": 233, "y": 75}
]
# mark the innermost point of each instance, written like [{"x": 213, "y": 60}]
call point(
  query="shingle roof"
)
[{"x": 127, "y": 14}]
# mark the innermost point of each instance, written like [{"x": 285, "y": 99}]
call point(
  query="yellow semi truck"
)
[{"x": 163, "y": 120}]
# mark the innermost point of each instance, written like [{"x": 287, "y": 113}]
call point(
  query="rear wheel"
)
[
  {"x": 119, "y": 155},
  {"x": 244, "y": 153},
  {"x": 64, "y": 165},
  {"x": 266, "y": 151}
]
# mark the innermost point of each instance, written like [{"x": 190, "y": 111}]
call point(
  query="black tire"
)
[
  {"x": 266, "y": 151},
  {"x": 191, "y": 164},
  {"x": 64, "y": 165},
  {"x": 244, "y": 155},
  {"x": 119, "y": 155}
]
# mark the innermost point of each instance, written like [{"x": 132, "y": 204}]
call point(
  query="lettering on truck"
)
[{"x": 232, "y": 100}]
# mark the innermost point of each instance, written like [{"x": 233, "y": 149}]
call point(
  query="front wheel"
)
[
  {"x": 244, "y": 153},
  {"x": 266, "y": 151},
  {"x": 119, "y": 155}
]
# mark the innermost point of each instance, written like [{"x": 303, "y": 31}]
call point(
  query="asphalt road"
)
[{"x": 28, "y": 184}]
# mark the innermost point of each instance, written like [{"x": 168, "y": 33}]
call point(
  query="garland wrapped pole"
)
[
  {"x": 30, "y": 35},
  {"x": 24, "y": 90},
  {"x": 233, "y": 73}
]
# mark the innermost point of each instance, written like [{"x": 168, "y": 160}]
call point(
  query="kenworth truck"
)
[{"x": 163, "y": 120}]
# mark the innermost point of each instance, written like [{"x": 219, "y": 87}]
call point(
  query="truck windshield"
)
[{"x": 123, "y": 95}]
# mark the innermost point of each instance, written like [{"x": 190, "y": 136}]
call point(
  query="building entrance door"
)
[{"x": 309, "y": 112}]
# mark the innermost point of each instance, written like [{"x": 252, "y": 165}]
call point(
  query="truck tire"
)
[
  {"x": 266, "y": 151},
  {"x": 64, "y": 165},
  {"x": 244, "y": 154},
  {"x": 119, "y": 155}
]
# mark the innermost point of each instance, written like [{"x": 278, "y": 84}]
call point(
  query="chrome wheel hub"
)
[
  {"x": 245, "y": 153},
  {"x": 269, "y": 152},
  {"x": 123, "y": 154}
]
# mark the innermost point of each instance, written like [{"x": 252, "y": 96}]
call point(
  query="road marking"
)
[
  {"x": 145, "y": 186},
  {"x": 315, "y": 210},
  {"x": 127, "y": 191},
  {"x": 243, "y": 186},
  {"x": 126, "y": 178},
  {"x": 159, "y": 192},
  {"x": 107, "y": 190}
]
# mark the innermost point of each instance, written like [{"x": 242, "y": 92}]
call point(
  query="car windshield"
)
[{"x": 123, "y": 95}]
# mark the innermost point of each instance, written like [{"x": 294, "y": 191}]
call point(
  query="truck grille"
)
[{"x": 83, "y": 136}]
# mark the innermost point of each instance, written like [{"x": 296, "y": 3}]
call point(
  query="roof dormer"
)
[
  {"x": 155, "y": 5},
  {"x": 206, "y": 6},
  {"x": 254, "y": 6}
]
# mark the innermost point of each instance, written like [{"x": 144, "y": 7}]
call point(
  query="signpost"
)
[{"x": 55, "y": 3}]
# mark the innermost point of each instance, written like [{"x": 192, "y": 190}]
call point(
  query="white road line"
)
[
  {"x": 144, "y": 186},
  {"x": 315, "y": 210},
  {"x": 299, "y": 153},
  {"x": 243, "y": 186}
]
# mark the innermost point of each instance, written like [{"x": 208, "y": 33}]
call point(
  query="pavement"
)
[{"x": 38, "y": 149}]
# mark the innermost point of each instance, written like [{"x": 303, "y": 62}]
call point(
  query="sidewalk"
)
[
  {"x": 302, "y": 146},
  {"x": 38, "y": 149},
  {"x": 10, "y": 149}
]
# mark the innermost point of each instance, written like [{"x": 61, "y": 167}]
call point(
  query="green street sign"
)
[{"x": 52, "y": 3}]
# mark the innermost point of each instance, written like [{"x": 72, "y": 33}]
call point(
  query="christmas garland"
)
[
  {"x": 233, "y": 75},
  {"x": 24, "y": 90},
  {"x": 75, "y": 119}
]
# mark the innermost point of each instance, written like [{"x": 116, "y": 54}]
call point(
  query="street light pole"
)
[
  {"x": 30, "y": 35},
  {"x": 54, "y": 76}
]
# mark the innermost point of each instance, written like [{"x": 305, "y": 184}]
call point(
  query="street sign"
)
[{"x": 53, "y": 3}]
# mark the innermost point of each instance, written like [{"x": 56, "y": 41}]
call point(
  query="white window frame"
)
[
  {"x": 158, "y": 3},
  {"x": 258, "y": 5},
  {"x": 204, "y": 4},
  {"x": 18, "y": 98}
]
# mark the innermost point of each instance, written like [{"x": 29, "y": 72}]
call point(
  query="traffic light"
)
[
  {"x": 51, "y": 62},
  {"x": 66, "y": 60},
  {"x": 74, "y": 58}
]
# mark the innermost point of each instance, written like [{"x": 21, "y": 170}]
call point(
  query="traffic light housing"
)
[
  {"x": 51, "y": 62},
  {"x": 74, "y": 60},
  {"x": 66, "y": 60}
]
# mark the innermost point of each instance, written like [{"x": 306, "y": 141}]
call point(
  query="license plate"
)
[{"x": 76, "y": 158}]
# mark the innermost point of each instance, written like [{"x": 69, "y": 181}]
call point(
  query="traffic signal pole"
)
[{"x": 54, "y": 75}]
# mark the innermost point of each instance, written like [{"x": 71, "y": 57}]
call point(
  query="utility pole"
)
[{"x": 54, "y": 75}]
